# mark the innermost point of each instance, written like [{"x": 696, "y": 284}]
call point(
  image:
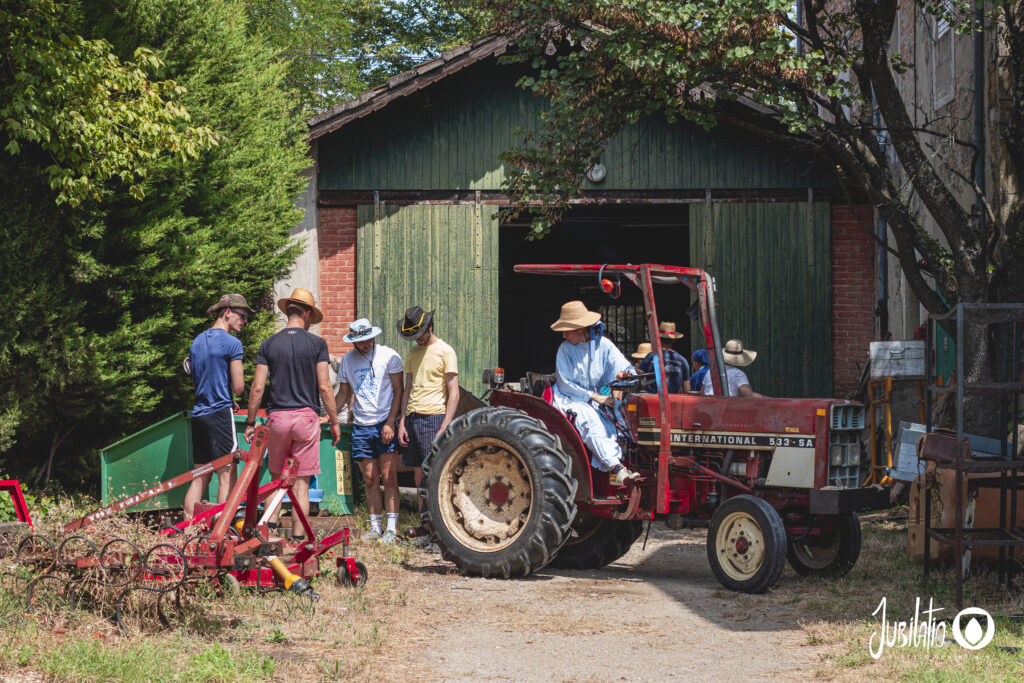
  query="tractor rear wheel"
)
[
  {"x": 498, "y": 493},
  {"x": 746, "y": 544},
  {"x": 595, "y": 542},
  {"x": 833, "y": 554}
]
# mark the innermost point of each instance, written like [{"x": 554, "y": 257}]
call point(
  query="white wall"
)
[{"x": 306, "y": 272}]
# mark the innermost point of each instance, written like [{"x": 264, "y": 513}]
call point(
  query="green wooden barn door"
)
[
  {"x": 443, "y": 258},
  {"x": 772, "y": 266}
]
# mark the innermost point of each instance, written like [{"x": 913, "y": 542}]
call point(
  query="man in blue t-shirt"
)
[
  {"x": 677, "y": 370},
  {"x": 216, "y": 362}
]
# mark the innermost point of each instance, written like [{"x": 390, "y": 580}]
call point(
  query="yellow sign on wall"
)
[{"x": 341, "y": 466}]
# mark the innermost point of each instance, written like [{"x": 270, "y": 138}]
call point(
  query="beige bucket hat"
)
[
  {"x": 735, "y": 354},
  {"x": 304, "y": 297},
  {"x": 642, "y": 351},
  {"x": 574, "y": 316},
  {"x": 667, "y": 329}
]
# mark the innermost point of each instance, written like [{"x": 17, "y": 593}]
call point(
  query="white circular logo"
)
[{"x": 968, "y": 631}]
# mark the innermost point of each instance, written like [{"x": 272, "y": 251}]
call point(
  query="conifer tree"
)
[{"x": 104, "y": 298}]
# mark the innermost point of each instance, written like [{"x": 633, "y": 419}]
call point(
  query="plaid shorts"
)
[{"x": 422, "y": 430}]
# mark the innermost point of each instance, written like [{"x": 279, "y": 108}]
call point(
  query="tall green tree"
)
[
  {"x": 338, "y": 48},
  {"x": 826, "y": 84},
  {"x": 104, "y": 297},
  {"x": 76, "y": 114}
]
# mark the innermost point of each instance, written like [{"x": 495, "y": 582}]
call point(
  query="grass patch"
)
[
  {"x": 836, "y": 614},
  {"x": 212, "y": 636}
]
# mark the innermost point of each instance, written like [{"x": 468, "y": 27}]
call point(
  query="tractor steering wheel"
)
[{"x": 632, "y": 382}]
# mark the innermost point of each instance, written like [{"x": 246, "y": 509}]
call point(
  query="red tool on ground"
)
[{"x": 245, "y": 552}]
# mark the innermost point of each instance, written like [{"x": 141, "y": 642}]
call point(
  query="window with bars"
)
[{"x": 625, "y": 324}]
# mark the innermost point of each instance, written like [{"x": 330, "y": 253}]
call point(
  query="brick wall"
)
[
  {"x": 337, "y": 245},
  {"x": 853, "y": 296}
]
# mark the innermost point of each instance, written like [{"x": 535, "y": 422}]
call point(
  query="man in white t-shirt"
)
[
  {"x": 735, "y": 357},
  {"x": 371, "y": 375}
]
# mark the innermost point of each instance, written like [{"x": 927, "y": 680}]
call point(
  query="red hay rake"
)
[{"x": 229, "y": 553}]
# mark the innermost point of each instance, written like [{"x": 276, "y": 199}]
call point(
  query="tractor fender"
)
[{"x": 559, "y": 426}]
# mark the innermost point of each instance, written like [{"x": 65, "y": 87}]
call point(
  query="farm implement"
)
[{"x": 228, "y": 546}]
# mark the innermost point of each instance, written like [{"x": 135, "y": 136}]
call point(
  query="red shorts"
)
[{"x": 294, "y": 434}]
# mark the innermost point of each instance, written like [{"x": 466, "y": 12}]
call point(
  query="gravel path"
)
[{"x": 656, "y": 614}]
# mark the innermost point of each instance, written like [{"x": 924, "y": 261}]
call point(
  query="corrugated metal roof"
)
[{"x": 406, "y": 83}]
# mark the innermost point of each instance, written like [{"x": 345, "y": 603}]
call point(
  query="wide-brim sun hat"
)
[
  {"x": 642, "y": 351},
  {"x": 229, "y": 301},
  {"x": 575, "y": 316},
  {"x": 667, "y": 329},
  {"x": 735, "y": 354},
  {"x": 415, "y": 323},
  {"x": 305, "y": 298},
  {"x": 361, "y": 330}
]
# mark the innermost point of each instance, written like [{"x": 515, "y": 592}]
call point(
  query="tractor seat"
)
[{"x": 540, "y": 385}]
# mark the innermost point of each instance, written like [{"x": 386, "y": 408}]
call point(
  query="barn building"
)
[{"x": 408, "y": 185}]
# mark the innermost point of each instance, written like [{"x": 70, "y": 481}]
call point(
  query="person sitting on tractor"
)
[
  {"x": 735, "y": 357},
  {"x": 586, "y": 362}
]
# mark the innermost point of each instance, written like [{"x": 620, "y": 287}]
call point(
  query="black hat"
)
[{"x": 415, "y": 323}]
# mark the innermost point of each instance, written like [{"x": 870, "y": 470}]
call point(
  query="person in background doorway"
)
[
  {"x": 371, "y": 376},
  {"x": 700, "y": 365},
  {"x": 677, "y": 370},
  {"x": 215, "y": 360},
  {"x": 735, "y": 357},
  {"x": 642, "y": 351}
]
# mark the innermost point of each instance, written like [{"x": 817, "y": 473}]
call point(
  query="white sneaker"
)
[{"x": 620, "y": 477}]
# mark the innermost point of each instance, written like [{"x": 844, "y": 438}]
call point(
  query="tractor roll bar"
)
[{"x": 697, "y": 279}]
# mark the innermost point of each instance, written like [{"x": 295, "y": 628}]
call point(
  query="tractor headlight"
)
[{"x": 836, "y": 455}]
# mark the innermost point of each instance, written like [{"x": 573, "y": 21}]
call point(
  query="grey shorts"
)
[{"x": 422, "y": 431}]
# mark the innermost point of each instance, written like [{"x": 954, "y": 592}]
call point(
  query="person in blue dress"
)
[
  {"x": 585, "y": 363},
  {"x": 700, "y": 364}
]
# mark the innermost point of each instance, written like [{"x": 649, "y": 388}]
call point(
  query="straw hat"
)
[
  {"x": 642, "y": 351},
  {"x": 574, "y": 315},
  {"x": 667, "y": 329},
  {"x": 304, "y": 297},
  {"x": 735, "y": 354}
]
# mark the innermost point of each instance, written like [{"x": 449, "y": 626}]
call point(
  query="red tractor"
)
[{"x": 509, "y": 487}]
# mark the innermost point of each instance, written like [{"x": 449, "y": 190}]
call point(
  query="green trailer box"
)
[{"x": 164, "y": 450}]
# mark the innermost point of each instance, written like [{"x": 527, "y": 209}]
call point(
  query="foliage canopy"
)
[
  {"x": 336, "y": 49},
  {"x": 104, "y": 294}
]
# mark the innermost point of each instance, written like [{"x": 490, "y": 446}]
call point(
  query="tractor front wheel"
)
[
  {"x": 595, "y": 542},
  {"x": 498, "y": 493},
  {"x": 833, "y": 553},
  {"x": 746, "y": 544}
]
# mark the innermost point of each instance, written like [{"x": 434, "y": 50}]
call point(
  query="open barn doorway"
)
[{"x": 528, "y": 304}]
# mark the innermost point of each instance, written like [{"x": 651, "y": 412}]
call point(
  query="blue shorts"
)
[{"x": 366, "y": 441}]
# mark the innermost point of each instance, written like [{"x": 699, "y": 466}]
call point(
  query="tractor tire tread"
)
[{"x": 546, "y": 531}]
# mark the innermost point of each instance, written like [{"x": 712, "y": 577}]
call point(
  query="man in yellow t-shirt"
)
[{"x": 431, "y": 389}]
